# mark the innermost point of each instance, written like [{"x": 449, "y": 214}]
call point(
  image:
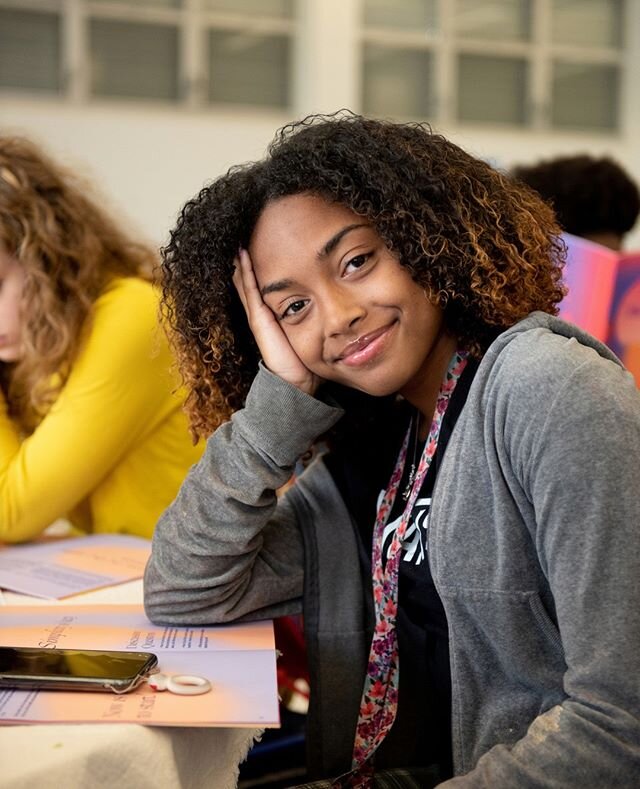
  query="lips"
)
[{"x": 366, "y": 347}]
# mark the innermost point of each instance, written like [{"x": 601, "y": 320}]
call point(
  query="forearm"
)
[
  {"x": 227, "y": 548},
  {"x": 9, "y": 438},
  {"x": 587, "y": 744},
  {"x": 15, "y": 523}
]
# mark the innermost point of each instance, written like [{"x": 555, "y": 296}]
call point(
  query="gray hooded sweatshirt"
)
[{"x": 533, "y": 544}]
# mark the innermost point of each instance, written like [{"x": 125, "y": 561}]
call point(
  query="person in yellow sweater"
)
[{"x": 91, "y": 421}]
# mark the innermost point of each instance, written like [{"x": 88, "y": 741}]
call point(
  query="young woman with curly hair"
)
[
  {"x": 91, "y": 428},
  {"x": 466, "y": 549}
]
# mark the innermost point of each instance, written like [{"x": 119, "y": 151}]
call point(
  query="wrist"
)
[
  {"x": 282, "y": 419},
  {"x": 306, "y": 383}
]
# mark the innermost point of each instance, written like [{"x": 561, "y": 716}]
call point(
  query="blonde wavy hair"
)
[{"x": 70, "y": 249}]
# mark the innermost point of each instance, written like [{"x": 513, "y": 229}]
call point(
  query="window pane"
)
[
  {"x": 585, "y": 96},
  {"x": 29, "y": 50},
  {"x": 152, "y": 3},
  {"x": 497, "y": 19},
  {"x": 131, "y": 59},
  {"x": 401, "y": 14},
  {"x": 492, "y": 89},
  {"x": 587, "y": 22},
  {"x": 396, "y": 82},
  {"x": 277, "y": 8},
  {"x": 249, "y": 69}
]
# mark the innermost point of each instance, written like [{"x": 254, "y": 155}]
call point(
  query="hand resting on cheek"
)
[{"x": 275, "y": 349}]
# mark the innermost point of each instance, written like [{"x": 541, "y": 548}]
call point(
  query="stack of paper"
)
[
  {"x": 239, "y": 660},
  {"x": 61, "y": 568}
]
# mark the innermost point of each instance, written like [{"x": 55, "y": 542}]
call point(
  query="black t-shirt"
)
[{"x": 421, "y": 734}]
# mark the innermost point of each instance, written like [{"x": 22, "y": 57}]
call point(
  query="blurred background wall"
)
[{"x": 151, "y": 99}]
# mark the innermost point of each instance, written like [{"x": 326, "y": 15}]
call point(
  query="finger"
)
[
  {"x": 249, "y": 283},
  {"x": 259, "y": 314},
  {"x": 237, "y": 281}
]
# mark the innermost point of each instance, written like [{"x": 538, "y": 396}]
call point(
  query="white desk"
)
[{"x": 126, "y": 756}]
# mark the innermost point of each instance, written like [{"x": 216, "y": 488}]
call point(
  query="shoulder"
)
[
  {"x": 125, "y": 326},
  {"x": 548, "y": 395},
  {"x": 128, "y": 308},
  {"x": 542, "y": 357},
  {"x": 128, "y": 293}
]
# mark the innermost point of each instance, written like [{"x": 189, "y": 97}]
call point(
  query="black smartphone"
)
[{"x": 74, "y": 669}]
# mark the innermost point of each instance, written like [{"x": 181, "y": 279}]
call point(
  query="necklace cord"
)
[
  {"x": 379, "y": 701},
  {"x": 414, "y": 426}
]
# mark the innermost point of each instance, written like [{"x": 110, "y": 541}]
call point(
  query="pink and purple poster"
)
[
  {"x": 590, "y": 275},
  {"x": 624, "y": 321},
  {"x": 604, "y": 297}
]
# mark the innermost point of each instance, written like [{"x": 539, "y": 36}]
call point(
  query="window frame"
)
[
  {"x": 539, "y": 53},
  {"x": 192, "y": 22}
]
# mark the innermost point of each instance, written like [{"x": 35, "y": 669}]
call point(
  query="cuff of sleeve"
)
[{"x": 281, "y": 420}]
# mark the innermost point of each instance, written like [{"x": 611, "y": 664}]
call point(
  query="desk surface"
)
[{"x": 129, "y": 756}]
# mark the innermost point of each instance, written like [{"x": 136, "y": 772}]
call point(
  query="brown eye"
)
[
  {"x": 293, "y": 308},
  {"x": 356, "y": 263}
]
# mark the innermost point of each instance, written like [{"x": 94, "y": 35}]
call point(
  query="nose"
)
[{"x": 342, "y": 311}]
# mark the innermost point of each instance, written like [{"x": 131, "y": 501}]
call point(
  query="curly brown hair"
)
[
  {"x": 487, "y": 248},
  {"x": 69, "y": 249}
]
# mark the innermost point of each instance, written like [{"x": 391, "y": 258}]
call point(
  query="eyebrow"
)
[
  {"x": 279, "y": 284},
  {"x": 333, "y": 242},
  {"x": 327, "y": 249}
]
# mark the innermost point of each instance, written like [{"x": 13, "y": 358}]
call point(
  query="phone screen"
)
[{"x": 27, "y": 666}]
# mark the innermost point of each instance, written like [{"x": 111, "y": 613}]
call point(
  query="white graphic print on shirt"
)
[{"x": 414, "y": 545}]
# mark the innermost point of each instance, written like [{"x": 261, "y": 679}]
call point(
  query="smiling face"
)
[
  {"x": 350, "y": 311},
  {"x": 11, "y": 282}
]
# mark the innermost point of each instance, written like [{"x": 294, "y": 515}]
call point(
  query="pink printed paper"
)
[
  {"x": 239, "y": 660},
  {"x": 55, "y": 569}
]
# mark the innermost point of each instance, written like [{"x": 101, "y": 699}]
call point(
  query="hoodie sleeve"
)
[{"x": 228, "y": 548}]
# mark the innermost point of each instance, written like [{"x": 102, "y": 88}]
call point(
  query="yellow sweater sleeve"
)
[{"x": 118, "y": 390}]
